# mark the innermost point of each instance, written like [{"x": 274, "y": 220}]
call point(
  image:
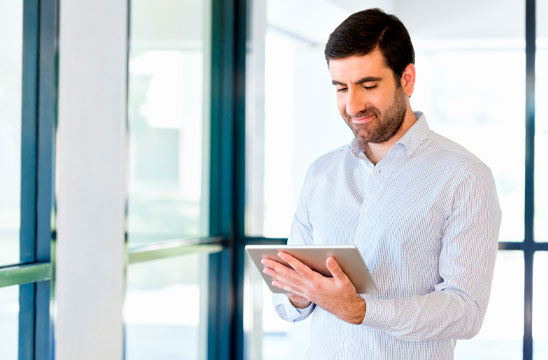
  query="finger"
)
[
  {"x": 287, "y": 287},
  {"x": 276, "y": 276},
  {"x": 284, "y": 274},
  {"x": 297, "y": 265},
  {"x": 335, "y": 269},
  {"x": 273, "y": 264},
  {"x": 280, "y": 268}
]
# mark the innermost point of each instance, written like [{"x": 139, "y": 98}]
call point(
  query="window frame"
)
[{"x": 34, "y": 272}]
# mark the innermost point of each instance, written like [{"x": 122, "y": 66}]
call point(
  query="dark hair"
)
[{"x": 362, "y": 32}]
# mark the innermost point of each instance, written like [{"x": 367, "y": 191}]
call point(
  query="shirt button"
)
[
  {"x": 346, "y": 343},
  {"x": 365, "y": 209}
]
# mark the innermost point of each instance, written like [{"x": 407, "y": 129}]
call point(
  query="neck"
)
[{"x": 377, "y": 152}]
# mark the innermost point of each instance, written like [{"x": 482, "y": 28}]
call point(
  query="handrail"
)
[
  {"x": 23, "y": 274},
  {"x": 171, "y": 248}
]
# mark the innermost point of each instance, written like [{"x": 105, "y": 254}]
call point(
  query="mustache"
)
[{"x": 365, "y": 112}]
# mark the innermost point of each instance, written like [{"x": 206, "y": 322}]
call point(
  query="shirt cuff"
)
[
  {"x": 291, "y": 312},
  {"x": 379, "y": 313}
]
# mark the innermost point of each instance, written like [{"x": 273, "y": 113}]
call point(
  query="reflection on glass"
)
[
  {"x": 267, "y": 336},
  {"x": 168, "y": 117},
  {"x": 11, "y": 41},
  {"x": 9, "y": 320},
  {"x": 540, "y": 308},
  {"x": 500, "y": 337},
  {"x": 541, "y": 124},
  {"x": 165, "y": 310}
]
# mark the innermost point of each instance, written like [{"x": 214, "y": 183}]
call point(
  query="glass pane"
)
[
  {"x": 165, "y": 309},
  {"x": 466, "y": 112},
  {"x": 540, "y": 308},
  {"x": 9, "y": 318},
  {"x": 168, "y": 113},
  {"x": 267, "y": 336},
  {"x": 11, "y": 50},
  {"x": 501, "y": 336},
  {"x": 541, "y": 120},
  {"x": 291, "y": 112}
]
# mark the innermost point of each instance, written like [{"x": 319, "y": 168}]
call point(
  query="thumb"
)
[{"x": 335, "y": 269}]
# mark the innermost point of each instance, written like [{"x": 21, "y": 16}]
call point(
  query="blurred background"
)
[{"x": 227, "y": 105}]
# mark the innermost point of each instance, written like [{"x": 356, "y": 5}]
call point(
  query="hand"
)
[{"x": 335, "y": 294}]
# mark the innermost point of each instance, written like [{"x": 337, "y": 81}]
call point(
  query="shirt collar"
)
[
  {"x": 410, "y": 140},
  {"x": 355, "y": 148},
  {"x": 416, "y": 134}
]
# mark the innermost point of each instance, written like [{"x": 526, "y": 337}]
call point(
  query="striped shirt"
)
[{"x": 426, "y": 220}]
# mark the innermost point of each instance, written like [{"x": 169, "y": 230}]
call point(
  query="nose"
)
[{"x": 354, "y": 103}]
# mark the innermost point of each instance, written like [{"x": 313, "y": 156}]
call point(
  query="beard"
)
[{"x": 384, "y": 126}]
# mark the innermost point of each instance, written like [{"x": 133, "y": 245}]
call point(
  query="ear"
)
[{"x": 408, "y": 79}]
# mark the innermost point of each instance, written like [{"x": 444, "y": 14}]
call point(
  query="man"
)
[{"x": 422, "y": 210}]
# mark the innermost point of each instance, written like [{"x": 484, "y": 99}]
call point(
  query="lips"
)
[{"x": 362, "y": 119}]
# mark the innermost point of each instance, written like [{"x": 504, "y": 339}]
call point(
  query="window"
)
[
  {"x": 541, "y": 121},
  {"x": 166, "y": 308},
  {"x": 9, "y": 313},
  {"x": 11, "y": 92},
  {"x": 26, "y": 198},
  {"x": 166, "y": 304}
]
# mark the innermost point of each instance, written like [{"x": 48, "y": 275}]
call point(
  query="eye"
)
[
  {"x": 371, "y": 87},
  {"x": 343, "y": 89}
]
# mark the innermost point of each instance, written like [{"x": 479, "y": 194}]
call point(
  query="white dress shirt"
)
[{"x": 426, "y": 220}]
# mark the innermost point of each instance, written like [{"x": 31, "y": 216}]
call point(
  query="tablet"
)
[{"x": 348, "y": 257}]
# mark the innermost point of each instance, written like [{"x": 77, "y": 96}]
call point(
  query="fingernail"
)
[{"x": 280, "y": 254}]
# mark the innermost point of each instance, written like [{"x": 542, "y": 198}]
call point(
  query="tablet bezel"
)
[{"x": 348, "y": 257}]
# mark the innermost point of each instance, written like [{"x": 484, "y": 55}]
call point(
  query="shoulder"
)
[
  {"x": 329, "y": 162},
  {"x": 455, "y": 156},
  {"x": 326, "y": 170},
  {"x": 463, "y": 169}
]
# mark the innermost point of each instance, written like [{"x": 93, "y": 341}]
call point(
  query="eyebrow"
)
[{"x": 359, "y": 82}]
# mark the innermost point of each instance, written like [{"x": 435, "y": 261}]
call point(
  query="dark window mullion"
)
[
  {"x": 221, "y": 286},
  {"x": 251, "y": 240},
  {"x": 529, "y": 245},
  {"x": 47, "y": 101},
  {"x": 27, "y": 238},
  {"x": 29, "y": 131}
]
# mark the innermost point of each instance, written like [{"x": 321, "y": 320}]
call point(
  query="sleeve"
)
[
  {"x": 457, "y": 306},
  {"x": 300, "y": 234}
]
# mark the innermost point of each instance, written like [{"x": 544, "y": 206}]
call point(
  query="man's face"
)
[{"x": 367, "y": 96}]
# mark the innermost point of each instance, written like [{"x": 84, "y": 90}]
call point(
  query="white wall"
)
[{"x": 91, "y": 179}]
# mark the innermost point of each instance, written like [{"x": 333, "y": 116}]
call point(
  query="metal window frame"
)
[
  {"x": 529, "y": 244},
  {"x": 34, "y": 273}
]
